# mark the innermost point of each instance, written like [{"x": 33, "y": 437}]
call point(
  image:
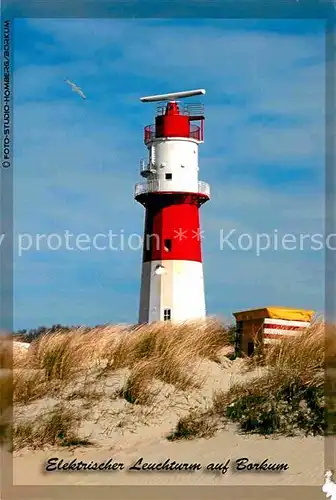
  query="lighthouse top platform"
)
[
  {"x": 172, "y": 143},
  {"x": 173, "y": 119}
]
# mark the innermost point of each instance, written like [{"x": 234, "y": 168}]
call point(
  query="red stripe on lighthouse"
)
[
  {"x": 174, "y": 124},
  {"x": 172, "y": 231}
]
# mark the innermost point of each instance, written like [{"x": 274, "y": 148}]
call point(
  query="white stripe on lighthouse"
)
[{"x": 180, "y": 288}]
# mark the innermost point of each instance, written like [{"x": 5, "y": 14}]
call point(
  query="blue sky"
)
[{"x": 76, "y": 161}]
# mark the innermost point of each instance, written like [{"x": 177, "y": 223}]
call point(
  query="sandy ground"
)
[
  {"x": 124, "y": 433},
  {"x": 305, "y": 459}
]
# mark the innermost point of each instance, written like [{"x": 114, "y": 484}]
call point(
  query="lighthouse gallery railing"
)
[{"x": 157, "y": 185}]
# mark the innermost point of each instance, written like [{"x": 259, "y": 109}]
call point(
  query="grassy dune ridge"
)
[{"x": 117, "y": 373}]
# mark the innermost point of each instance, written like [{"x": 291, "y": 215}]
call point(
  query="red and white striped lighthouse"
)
[{"x": 172, "y": 286}]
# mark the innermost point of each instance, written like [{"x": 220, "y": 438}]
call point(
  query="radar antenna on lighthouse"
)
[
  {"x": 174, "y": 96},
  {"x": 172, "y": 286}
]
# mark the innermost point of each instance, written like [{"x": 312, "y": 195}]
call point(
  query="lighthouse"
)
[{"x": 172, "y": 285}]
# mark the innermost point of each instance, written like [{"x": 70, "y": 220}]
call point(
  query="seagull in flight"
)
[{"x": 75, "y": 88}]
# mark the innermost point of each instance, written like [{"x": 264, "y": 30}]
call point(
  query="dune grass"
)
[
  {"x": 138, "y": 388},
  {"x": 196, "y": 424},
  {"x": 303, "y": 352},
  {"x": 6, "y": 390},
  {"x": 280, "y": 402},
  {"x": 59, "y": 427},
  {"x": 167, "y": 350},
  {"x": 288, "y": 397},
  {"x": 159, "y": 340},
  {"x": 57, "y": 360}
]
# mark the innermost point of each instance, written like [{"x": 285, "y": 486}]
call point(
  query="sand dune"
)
[
  {"x": 124, "y": 394},
  {"x": 124, "y": 432},
  {"x": 304, "y": 456}
]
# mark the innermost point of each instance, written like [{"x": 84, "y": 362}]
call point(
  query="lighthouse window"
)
[
  {"x": 168, "y": 245},
  {"x": 169, "y": 177},
  {"x": 166, "y": 314}
]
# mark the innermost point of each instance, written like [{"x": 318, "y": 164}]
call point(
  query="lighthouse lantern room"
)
[{"x": 172, "y": 286}]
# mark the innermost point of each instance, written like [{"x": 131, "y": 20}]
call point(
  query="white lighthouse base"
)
[{"x": 172, "y": 290}]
